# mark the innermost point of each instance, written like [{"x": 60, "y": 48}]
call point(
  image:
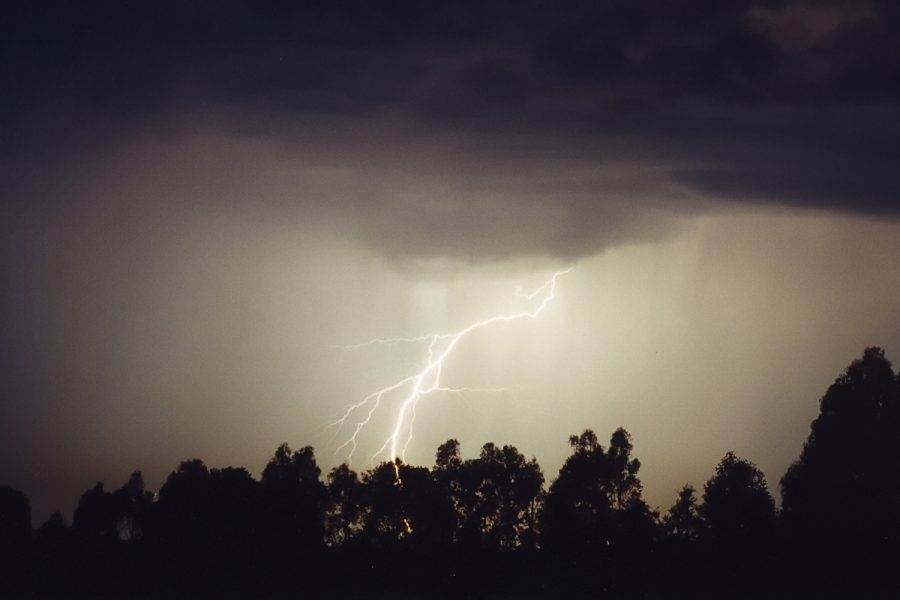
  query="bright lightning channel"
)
[{"x": 427, "y": 380}]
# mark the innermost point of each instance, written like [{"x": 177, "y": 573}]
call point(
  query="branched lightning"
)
[{"x": 427, "y": 380}]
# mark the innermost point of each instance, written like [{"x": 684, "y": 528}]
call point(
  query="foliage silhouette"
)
[
  {"x": 738, "y": 515},
  {"x": 15, "y": 536},
  {"x": 679, "y": 549},
  {"x": 594, "y": 517},
  {"x": 485, "y": 526},
  {"x": 103, "y": 517},
  {"x": 293, "y": 503},
  {"x": 841, "y": 499},
  {"x": 344, "y": 515},
  {"x": 495, "y": 496},
  {"x": 683, "y": 521}
]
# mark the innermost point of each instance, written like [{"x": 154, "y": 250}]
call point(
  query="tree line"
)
[{"x": 488, "y": 526}]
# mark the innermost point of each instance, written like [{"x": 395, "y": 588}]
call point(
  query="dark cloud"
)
[
  {"x": 138, "y": 58},
  {"x": 765, "y": 101},
  {"x": 830, "y": 184}
]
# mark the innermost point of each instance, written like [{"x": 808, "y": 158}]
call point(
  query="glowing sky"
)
[{"x": 198, "y": 204}]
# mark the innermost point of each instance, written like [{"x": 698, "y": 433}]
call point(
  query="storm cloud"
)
[{"x": 596, "y": 124}]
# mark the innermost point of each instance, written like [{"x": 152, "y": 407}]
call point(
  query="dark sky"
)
[{"x": 200, "y": 199}]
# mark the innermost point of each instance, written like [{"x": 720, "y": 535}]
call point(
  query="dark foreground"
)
[{"x": 487, "y": 527}]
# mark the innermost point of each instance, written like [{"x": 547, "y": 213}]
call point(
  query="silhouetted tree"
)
[
  {"x": 95, "y": 515},
  {"x": 447, "y": 474},
  {"x": 683, "y": 520},
  {"x": 592, "y": 485},
  {"x": 739, "y": 522},
  {"x": 182, "y": 527},
  {"x": 484, "y": 526},
  {"x": 495, "y": 495},
  {"x": 15, "y": 539},
  {"x": 132, "y": 504},
  {"x": 233, "y": 513},
  {"x": 293, "y": 504},
  {"x": 683, "y": 526},
  {"x": 401, "y": 528},
  {"x": 447, "y": 458},
  {"x": 594, "y": 516},
  {"x": 206, "y": 524},
  {"x": 53, "y": 550},
  {"x": 344, "y": 516},
  {"x": 118, "y": 515},
  {"x": 410, "y": 509},
  {"x": 841, "y": 499},
  {"x": 103, "y": 523}
]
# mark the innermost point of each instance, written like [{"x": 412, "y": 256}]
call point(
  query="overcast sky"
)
[{"x": 199, "y": 203}]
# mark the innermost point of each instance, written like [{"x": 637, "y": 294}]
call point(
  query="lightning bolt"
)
[{"x": 438, "y": 347}]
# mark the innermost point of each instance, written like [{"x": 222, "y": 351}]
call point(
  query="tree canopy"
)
[
  {"x": 487, "y": 523},
  {"x": 841, "y": 498}
]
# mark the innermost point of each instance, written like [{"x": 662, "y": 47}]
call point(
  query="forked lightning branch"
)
[{"x": 403, "y": 396}]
